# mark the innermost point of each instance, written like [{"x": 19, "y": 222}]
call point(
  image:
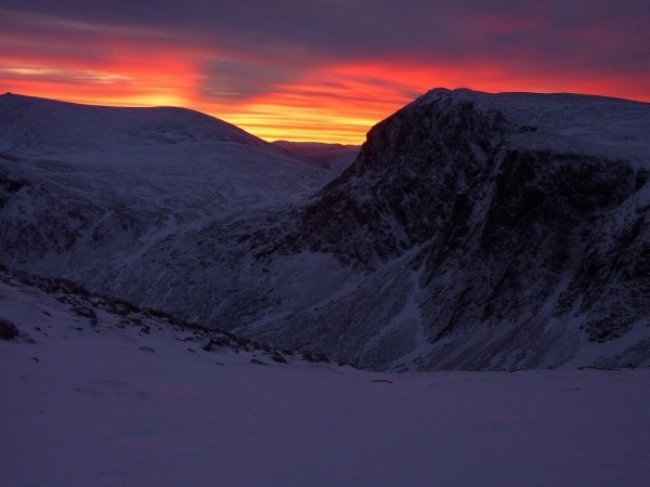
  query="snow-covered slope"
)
[
  {"x": 94, "y": 391},
  {"x": 40, "y": 127},
  {"x": 83, "y": 183},
  {"x": 34, "y": 308}
]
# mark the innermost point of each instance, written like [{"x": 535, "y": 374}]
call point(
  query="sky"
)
[{"x": 317, "y": 70}]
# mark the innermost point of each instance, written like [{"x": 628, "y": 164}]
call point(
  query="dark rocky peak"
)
[
  {"x": 414, "y": 171},
  {"x": 441, "y": 122},
  {"x": 516, "y": 225}
]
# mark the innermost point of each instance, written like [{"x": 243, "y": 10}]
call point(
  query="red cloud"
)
[{"x": 294, "y": 91}]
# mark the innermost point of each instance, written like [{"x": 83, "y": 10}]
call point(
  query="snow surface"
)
[
  {"x": 598, "y": 126},
  {"x": 105, "y": 405},
  {"x": 117, "y": 180},
  {"x": 174, "y": 161}
]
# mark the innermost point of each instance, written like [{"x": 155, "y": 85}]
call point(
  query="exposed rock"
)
[
  {"x": 8, "y": 331},
  {"x": 277, "y": 357},
  {"x": 86, "y": 312}
]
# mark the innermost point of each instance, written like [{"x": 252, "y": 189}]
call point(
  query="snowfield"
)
[{"x": 108, "y": 404}]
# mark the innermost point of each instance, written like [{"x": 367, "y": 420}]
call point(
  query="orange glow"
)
[
  {"x": 117, "y": 81},
  {"x": 335, "y": 102},
  {"x": 359, "y": 96}
]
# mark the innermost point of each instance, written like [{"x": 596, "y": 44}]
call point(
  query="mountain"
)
[
  {"x": 473, "y": 231},
  {"x": 82, "y": 184},
  {"x": 41, "y": 127},
  {"x": 514, "y": 227}
]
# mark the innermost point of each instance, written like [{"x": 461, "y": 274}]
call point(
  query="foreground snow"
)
[{"x": 106, "y": 404}]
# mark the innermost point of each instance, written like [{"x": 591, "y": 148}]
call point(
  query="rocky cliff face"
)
[
  {"x": 473, "y": 231},
  {"x": 492, "y": 232}
]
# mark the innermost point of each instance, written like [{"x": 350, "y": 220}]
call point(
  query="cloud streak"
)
[{"x": 325, "y": 69}]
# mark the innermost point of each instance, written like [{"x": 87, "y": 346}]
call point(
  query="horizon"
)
[{"x": 314, "y": 72}]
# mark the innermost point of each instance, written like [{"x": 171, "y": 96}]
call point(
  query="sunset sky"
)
[{"x": 318, "y": 70}]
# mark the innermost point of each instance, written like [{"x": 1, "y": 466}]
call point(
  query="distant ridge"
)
[
  {"x": 335, "y": 157},
  {"x": 34, "y": 125}
]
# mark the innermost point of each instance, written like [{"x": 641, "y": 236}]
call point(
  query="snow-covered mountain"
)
[
  {"x": 83, "y": 184},
  {"x": 473, "y": 231},
  {"x": 40, "y": 127},
  {"x": 498, "y": 231}
]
